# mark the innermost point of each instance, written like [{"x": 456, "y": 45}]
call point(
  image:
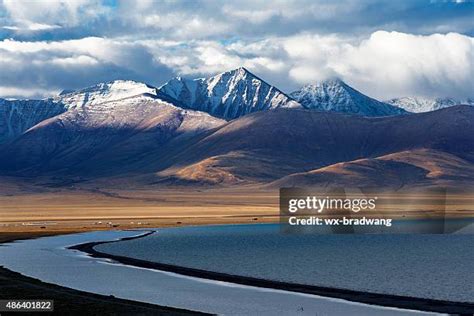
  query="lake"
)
[
  {"x": 437, "y": 266},
  {"x": 49, "y": 259}
]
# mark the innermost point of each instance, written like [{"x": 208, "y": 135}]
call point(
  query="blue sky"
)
[{"x": 384, "y": 48}]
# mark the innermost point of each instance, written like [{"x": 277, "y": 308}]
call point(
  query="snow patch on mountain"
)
[
  {"x": 104, "y": 92},
  {"x": 17, "y": 116},
  {"x": 136, "y": 112},
  {"x": 228, "y": 95},
  {"x": 336, "y": 96},
  {"x": 421, "y": 104}
]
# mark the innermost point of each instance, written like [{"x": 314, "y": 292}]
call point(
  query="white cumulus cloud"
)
[
  {"x": 382, "y": 64},
  {"x": 52, "y": 11},
  {"x": 47, "y": 67}
]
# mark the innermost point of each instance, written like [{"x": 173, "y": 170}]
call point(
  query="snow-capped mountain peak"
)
[
  {"x": 227, "y": 95},
  {"x": 17, "y": 116},
  {"x": 104, "y": 92},
  {"x": 423, "y": 104},
  {"x": 337, "y": 96}
]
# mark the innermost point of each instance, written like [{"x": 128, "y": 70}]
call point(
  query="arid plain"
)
[{"x": 27, "y": 208}]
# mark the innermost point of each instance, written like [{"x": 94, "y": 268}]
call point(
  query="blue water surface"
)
[{"x": 438, "y": 266}]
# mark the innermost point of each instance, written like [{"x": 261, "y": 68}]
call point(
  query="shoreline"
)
[
  {"x": 14, "y": 285},
  {"x": 378, "y": 299}
]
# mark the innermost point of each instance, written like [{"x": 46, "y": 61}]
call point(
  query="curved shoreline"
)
[
  {"x": 14, "y": 285},
  {"x": 378, "y": 299}
]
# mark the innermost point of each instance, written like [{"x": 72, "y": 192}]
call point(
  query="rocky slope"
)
[{"x": 17, "y": 116}]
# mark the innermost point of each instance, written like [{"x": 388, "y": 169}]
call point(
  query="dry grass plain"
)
[
  {"x": 81, "y": 210},
  {"x": 84, "y": 209}
]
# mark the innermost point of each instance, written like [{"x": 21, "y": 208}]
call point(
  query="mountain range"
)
[
  {"x": 233, "y": 129},
  {"x": 274, "y": 146},
  {"x": 420, "y": 104}
]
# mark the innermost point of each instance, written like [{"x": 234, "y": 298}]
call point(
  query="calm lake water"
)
[
  {"x": 49, "y": 259},
  {"x": 420, "y": 265}
]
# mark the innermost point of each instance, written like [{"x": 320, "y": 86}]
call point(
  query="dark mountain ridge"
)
[{"x": 175, "y": 147}]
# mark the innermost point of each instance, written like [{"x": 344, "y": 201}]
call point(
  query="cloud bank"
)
[{"x": 383, "y": 49}]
